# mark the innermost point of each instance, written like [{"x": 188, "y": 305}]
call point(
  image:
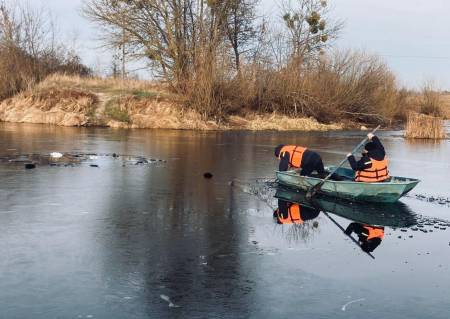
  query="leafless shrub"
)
[
  {"x": 431, "y": 99},
  {"x": 30, "y": 48}
]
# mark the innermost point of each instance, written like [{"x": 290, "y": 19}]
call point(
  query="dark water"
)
[{"x": 160, "y": 241}]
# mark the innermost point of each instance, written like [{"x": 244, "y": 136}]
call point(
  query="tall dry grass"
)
[
  {"x": 105, "y": 85},
  {"x": 74, "y": 100},
  {"x": 424, "y": 126},
  {"x": 349, "y": 85}
]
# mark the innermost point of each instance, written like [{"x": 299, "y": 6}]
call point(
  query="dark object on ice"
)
[
  {"x": 115, "y": 155},
  {"x": 207, "y": 175},
  {"x": 94, "y": 165},
  {"x": 30, "y": 166}
]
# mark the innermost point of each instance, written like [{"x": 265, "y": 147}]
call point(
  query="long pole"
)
[
  {"x": 318, "y": 186},
  {"x": 353, "y": 239}
]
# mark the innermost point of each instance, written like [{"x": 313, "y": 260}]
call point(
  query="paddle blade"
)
[{"x": 314, "y": 190}]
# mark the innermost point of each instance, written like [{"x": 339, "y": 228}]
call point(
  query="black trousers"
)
[{"x": 314, "y": 163}]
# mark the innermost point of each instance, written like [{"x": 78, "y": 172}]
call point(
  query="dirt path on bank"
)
[{"x": 100, "y": 111}]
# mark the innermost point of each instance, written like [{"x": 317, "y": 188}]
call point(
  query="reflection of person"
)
[
  {"x": 300, "y": 157},
  {"x": 369, "y": 237},
  {"x": 373, "y": 165},
  {"x": 291, "y": 213}
]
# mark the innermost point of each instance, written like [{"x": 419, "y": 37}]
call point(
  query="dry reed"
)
[{"x": 424, "y": 126}]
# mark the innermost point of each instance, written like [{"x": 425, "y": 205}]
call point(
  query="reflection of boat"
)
[
  {"x": 387, "y": 191},
  {"x": 374, "y": 214}
]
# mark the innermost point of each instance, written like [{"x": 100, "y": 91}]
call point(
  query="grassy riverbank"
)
[
  {"x": 76, "y": 101},
  {"x": 79, "y": 101}
]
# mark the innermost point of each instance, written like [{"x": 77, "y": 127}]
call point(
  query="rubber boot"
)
[
  {"x": 336, "y": 177},
  {"x": 322, "y": 175}
]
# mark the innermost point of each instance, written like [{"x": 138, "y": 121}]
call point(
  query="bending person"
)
[
  {"x": 373, "y": 165},
  {"x": 291, "y": 213},
  {"x": 299, "y": 157}
]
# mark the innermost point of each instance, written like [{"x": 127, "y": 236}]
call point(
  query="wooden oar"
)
[{"x": 318, "y": 186}]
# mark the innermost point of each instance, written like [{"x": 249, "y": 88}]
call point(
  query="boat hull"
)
[
  {"x": 376, "y": 214},
  {"x": 388, "y": 191}
]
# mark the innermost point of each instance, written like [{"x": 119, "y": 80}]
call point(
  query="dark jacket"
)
[{"x": 377, "y": 154}]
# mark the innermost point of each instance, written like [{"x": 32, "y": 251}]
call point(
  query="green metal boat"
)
[
  {"x": 388, "y": 191},
  {"x": 375, "y": 214}
]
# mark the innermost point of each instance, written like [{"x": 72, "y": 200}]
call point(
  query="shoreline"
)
[
  {"x": 328, "y": 128},
  {"x": 208, "y": 127},
  {"x": 88, "y": 102},
  {"x": 73, "y": 101}
]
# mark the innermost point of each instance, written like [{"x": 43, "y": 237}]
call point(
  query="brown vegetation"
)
[
  {"x": 65, "y": 107},
  {"x": 445, "y": 100},
  {"x": 424, "y": 126},
  {"x": 73, "y": 100},
  {"x": 30, "y": 49},
  {"x": 347, "y": 86}
]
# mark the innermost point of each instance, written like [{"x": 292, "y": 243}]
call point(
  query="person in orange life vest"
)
[
  {"x": 292, "y": 213},
  {"x": 369, "y": 237},
  {"x": 373, "y": 165},
  {"x": 301, "y": 157}
]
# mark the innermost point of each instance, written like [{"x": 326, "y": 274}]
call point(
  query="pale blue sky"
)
[{"x": 412, "y": 35}]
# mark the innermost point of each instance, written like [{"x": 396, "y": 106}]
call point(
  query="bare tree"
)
[
  {"x": 240, "y": 28},
  {"x": 310, "y": 28},
  {"x": 30, "y": 47},
  {"x": 174, "y": 36}
]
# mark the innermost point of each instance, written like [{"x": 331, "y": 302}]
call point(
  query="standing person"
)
[
  {"x": 300, "y": 157},
  {"x": 373, "y": 165},
  {"x": 369, "y": 237}
]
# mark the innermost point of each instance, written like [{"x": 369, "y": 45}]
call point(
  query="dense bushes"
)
[
  {"x": 30, "y": 49},
  {"x": 348, "y": 85}
]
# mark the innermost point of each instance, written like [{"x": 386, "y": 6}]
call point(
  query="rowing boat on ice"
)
[{"x": 387, "y": 191}]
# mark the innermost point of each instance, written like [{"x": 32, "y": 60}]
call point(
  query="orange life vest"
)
[
  {"x": 296, "y": 153},
  {"x": 377, "y": 173},
  {"x": 374, "y": 232},
  {"x": 293, "y": 215}
]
